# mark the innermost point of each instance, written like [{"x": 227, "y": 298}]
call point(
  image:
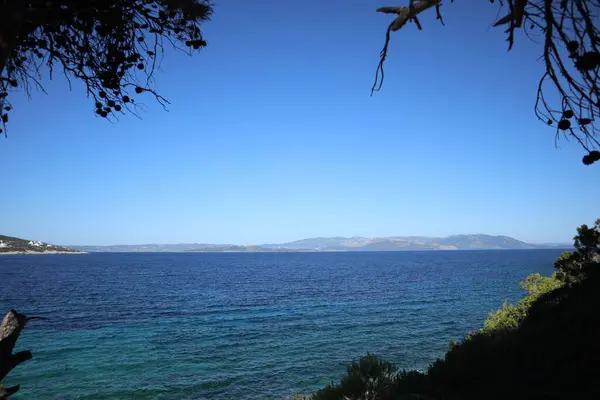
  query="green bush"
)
[
  {"x": 575, "y": 266},
  {"x": 368, "y": 379},
  {"x": 509, "y": 316}
]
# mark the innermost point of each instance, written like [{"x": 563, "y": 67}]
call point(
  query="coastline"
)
[{"x": 19, "y": 253}]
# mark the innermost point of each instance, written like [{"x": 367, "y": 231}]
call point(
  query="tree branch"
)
[
  {"x": 406, "y": 14},
  {"x": 571, "y": 55}
]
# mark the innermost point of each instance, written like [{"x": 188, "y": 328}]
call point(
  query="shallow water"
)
[{"x": 243, "y": 325}]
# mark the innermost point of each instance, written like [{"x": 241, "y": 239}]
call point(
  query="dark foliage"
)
[
  {"x": 575, "y": 266},
  {"x": 568, "y": 35},
  {"x": 366, "y": 379},
  {"x": 112, "y": 46}
]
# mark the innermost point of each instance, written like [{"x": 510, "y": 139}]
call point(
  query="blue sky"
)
[{"x": 272, "y": 136}]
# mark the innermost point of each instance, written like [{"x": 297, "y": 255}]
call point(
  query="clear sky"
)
[{"x": 272, "y": 136}]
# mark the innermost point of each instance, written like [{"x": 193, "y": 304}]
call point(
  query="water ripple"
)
[{"x": 243, "y": 326}]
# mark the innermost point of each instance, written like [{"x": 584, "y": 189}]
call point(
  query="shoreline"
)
[{"x": 28, "y": 252}]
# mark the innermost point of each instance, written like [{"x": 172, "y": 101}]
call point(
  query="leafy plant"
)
[
  {"x": 112, "y": 47},
  {"x": 575, "y": 266},
  {"x": 509, "y": 316},
  {"x": 368, "y": 379}
]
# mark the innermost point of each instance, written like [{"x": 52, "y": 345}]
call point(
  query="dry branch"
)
[
  {"x": 10, "y": 329},
  {"x": 406, "y": 14}
]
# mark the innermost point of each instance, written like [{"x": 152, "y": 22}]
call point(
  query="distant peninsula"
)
[
  {"x": 12, "y": 245},
  {"x": 328, "y": 244}
]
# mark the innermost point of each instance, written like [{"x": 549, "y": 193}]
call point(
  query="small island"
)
[{"x": 12, "y": 246}]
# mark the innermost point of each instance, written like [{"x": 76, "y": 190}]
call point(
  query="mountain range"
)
[{"x": 357, "y": 243}]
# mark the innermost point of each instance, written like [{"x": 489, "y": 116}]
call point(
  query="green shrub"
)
[
  {"x": 509, "y": 316},
  {"x": 368, "y": 379},
  {"x": 575, "y": 266}
]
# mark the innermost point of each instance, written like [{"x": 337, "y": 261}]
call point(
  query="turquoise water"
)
[{"x": 243, "y": 326}]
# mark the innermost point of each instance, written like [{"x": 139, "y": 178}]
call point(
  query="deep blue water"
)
[{"x": 243, "y": 326}]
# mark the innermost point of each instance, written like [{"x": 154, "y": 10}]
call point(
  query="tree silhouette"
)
[
  {"x": 570, "y": 49},
  {"x": 112, "y": 46},
  {"x": 572, "y": 267}
]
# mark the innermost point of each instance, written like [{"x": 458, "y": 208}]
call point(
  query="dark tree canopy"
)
[
  {"x": 578, "y": 265},
  {"x": 569, "y": 38},
  {"x": 112, "y": 46}
]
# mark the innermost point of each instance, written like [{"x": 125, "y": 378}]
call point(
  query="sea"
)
[{"x": 243, "y": 325}]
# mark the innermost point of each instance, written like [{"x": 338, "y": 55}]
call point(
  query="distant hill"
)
[
  {"x": 356, "y": 243},
  {"x": 174, "y": 248},
  {"x": 485, "y": 242},
  {"x": 395, "y": 243},
  {"x": 12, "y": 245}
]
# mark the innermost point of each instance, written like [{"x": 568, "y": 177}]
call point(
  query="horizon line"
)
[{"x": 316, "y": 237}]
